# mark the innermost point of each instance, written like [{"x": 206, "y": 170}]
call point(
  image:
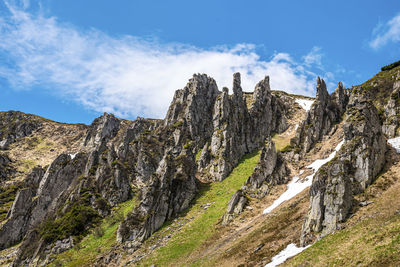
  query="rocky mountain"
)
[{"x": 228, "y": 179}]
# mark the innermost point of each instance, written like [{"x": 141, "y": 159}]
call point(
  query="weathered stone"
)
[
  {"x": 270, "y": 170},
  {"x": 325, "y": 112},
  {"x": 353, "y": 169},
  {"x": 235, "y": 206},
  {"x": 101, "y": 130},
  {"x": 391, "y": 124},
  {"x": 14, "y": 125},
  {"x": 239, "y": 130},
  {"x": 5, "y": 168}
]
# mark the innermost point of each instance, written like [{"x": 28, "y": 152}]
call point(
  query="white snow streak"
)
[
  {"x": 296, "y": 185},
  {"x": 304, "y": 103},
  {"x": 290, "y": 251},
  {"x": 395, "y": 143},
  {"x": 72, "y": 155}
]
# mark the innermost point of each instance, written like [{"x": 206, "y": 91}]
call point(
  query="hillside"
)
[{"x": 241, "y": 179}]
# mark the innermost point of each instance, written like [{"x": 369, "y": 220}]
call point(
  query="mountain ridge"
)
[{"x": 164, "y": 165}]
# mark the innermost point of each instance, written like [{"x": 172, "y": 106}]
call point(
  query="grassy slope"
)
[
  {"x": 371, "y": 236},
  {"x": 202, "y": 226},
  {"x": 93, "y": 245},
  {"x": 281, "y": 141}
]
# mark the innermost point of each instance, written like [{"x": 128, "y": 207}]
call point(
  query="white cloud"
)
[
  {"x": 385, "y": 33},
  {"x": 128, "y": 75},
  {"x": 314, "y": 57}
]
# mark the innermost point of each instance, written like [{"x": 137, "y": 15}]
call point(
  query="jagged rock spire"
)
[
  {"x": 237, "y": 89},
  {"x": 340, "y": 98},
  {"x": 322, "y": 92}
]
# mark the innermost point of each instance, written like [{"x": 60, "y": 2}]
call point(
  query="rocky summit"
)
[{"x": 230, "y": 179}]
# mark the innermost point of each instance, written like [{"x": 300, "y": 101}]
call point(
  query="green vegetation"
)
[
  {"x": 282, "y": 142},
  {"x": 376, "y": 242},
  {"x": 202, "y": 226},
  {"x": 371, "y": 238},
  {"x": 7, "y": 197},
  {"x": 177, "y": 124},
  {"x": 380, "y": 86},
  {"x": 74, "y": 222},
  {"x": 391, "y": 66},
  {"x": 26, "y": 165},
  {"x": 198, "y": 155},
  {"x": 102, "y": 239}
]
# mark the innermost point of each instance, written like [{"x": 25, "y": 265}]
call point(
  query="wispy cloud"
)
[
  {"x": 385, "y": 33},
  {"x": 314, "y": 57},
  {"x": 128, "y": 75}
]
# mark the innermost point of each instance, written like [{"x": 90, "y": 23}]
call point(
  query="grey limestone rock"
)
[
  {"x": 18, "y": 217},
  {"x": 5, "y": 167},
  {"x": 14, "y": 125},
  {"x": 270, "y": 170},
  {"x": 390, "y": 126},
  {"x": 235, "y": 206},
  {"x": 102, "y": 129},
  {"x": 325, "y": 112},
  {"x": 238, "y": 129},
  {"x": 353, "y": 169}
]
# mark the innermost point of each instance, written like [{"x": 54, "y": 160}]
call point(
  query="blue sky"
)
[{"x": 71, "y": 61}]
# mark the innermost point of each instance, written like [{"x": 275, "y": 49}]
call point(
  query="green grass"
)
[
  {"x": 26, "y": 165},
  {"x": 7, "y": 197},
  {"x": 93, "y": 245},
  {"x": 194, "y": 233},
  {"x": 372, "y": 239},
  {"x": 366, "y": 244},
  {"x": 281, "y": 142},
  {"x": 198, "y": 155}
]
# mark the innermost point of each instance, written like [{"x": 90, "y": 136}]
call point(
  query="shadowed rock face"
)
[
  {"x": 326, "y": 111},
  {"x": 353, "y": 169},
  {"x": 155, "y": 162},
  {"x": 5, "y": 168},
  {"x": 392, "y": 112},
  {"x": 270, "y": 170},
  {"x": 200, "y": 117},
  {"x": 14, "y": 125},
  {"x": 238, "y": 130},
  {"x": 154, "y": 158}
]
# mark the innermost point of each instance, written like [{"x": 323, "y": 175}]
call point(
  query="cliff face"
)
[
  {"x": 238, "y": 129},
  {"x": 325, "y": 112},
  {"x": 150, "y": 160},
  {"x": 354, "y": 168},
  {"x": 59, "y": 181}
]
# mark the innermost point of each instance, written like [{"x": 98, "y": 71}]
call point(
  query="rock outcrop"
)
[
  {"x": 18, "y": 219},
  {"x": 392, "y": 112},
  {"x": 353, "y": 169},
  {"x": 5, "y": 168},
  {"x": 326, "y": 111},
  {"x": 199, "y": 117},
  {"x": 14, "y": 125},
  {"x": 238, "y": 130},
  {"x": 165, "y": 161},
  {"x": 271, "y": 170}
]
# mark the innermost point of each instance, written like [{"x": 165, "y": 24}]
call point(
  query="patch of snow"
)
[
  {"x": 301, "y": 172},
  {"x": 72, "y": 155},
  {"x": 296, "y": 186},
  {"x": 319, "y": 162},
  {"x": 290, "y": 251},
  {"x": 295, "y": 128},
  {"x": 304, "y": 103},
  {"x": 395, "y": 143}
]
